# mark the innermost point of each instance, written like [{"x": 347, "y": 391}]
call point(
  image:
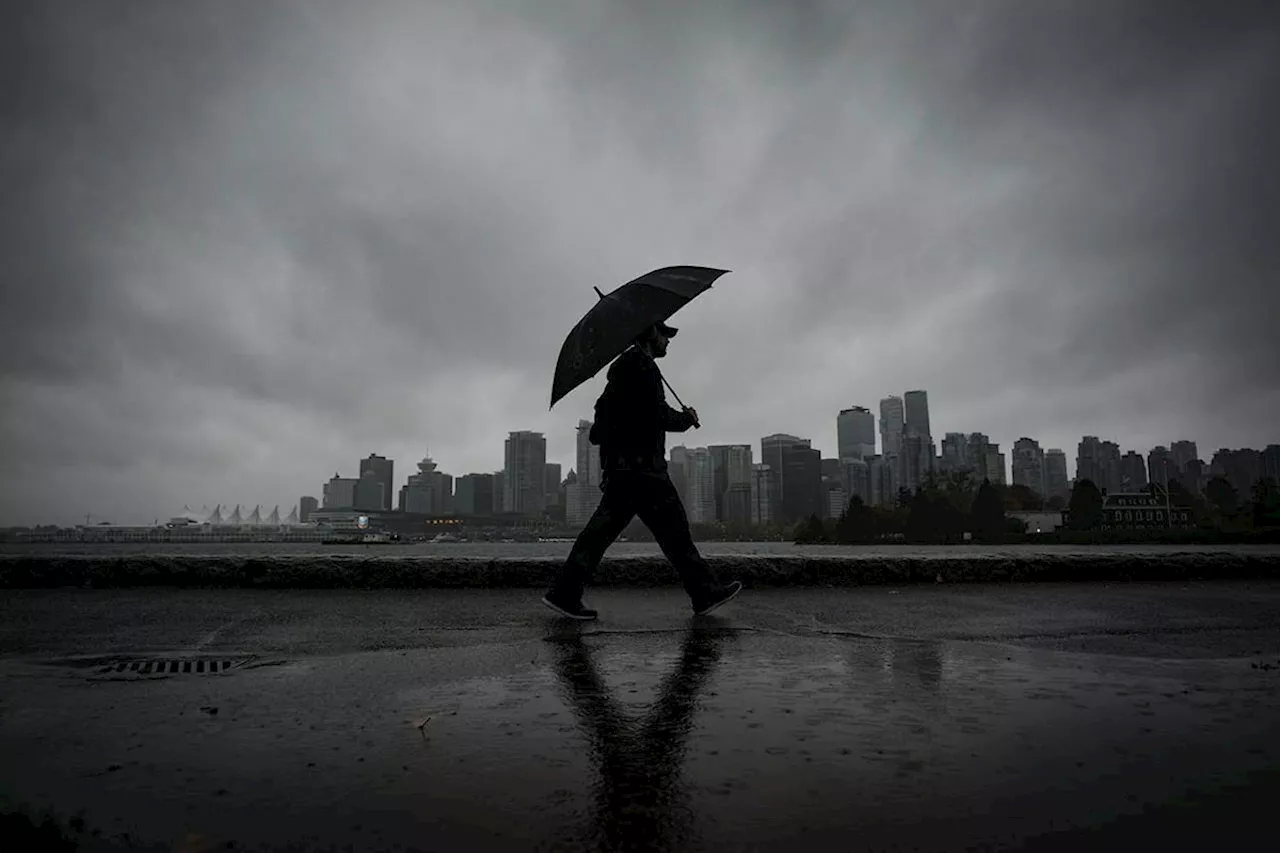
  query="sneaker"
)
[
  {"x": 573, "y": 610},
  {"x": 724, "y": 596}
]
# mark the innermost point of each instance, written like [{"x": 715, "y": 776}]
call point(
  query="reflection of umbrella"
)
[{"x": 618, "y": 317}]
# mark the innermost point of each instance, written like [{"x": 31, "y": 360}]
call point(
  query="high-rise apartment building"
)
[
  {"x": 1133, "y": 472},
  {"x": 731, "y": 467},
  {"x": 1029, "y": 467},
  {"x": 306, "y": 506},
  {"x": 762, "y": 491},
  {"x": 1057, "y": 484},
  {"x": 701, "y": 486}
]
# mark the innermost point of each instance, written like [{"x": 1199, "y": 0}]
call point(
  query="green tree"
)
[
  {"x": 1223, "y": 496},
  {"x": 1266, "y": 504},
  {"x": 922, "y": 524},
  {"x": 811, "y": 531},
  {"x": 1085, "y": 507},
  {"x": 857, "y": 523},
  {"x": 1022, "y": 498},
  {"x": 988, "y": 513}
]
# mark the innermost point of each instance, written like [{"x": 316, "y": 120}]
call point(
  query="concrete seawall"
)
[{"x": 310, "y": 571}]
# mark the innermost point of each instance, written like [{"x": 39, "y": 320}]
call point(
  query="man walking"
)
[{"x": 632, "y": 420}]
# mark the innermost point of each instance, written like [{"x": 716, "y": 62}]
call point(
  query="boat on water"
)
[{"x": 447, "y": 537}]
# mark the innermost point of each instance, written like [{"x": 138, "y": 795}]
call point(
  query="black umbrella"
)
[{"x": 617, "y": 318}]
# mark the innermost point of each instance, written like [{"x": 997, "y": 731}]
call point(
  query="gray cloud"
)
[{"x": 247, "y": 244}]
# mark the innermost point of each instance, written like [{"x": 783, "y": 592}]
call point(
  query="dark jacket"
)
[{"x": 633, "y": 418}]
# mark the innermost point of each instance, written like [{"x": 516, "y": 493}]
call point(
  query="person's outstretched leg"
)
[
  {"x": 663, "y": 513},
  {"x": 607, "y": 523}
]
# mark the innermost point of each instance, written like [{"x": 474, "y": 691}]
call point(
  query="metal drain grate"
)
[{"x": 171, "y": 666}]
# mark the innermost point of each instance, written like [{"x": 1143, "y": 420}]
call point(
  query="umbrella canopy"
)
[{"x": 617, "y": 318}]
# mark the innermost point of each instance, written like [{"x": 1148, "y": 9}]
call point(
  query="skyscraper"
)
[
  {"x": 1057, "y": 485},
  {"x": 551, "y": 483},
  {"x": 1184, "y": 453},
  {"x": 1133, "y": 472},
  {"x": 892, "y": 419},
  {"x": 1160, "y": 467},
  {"x": 995, "y": 466},
  {"x": 339, "y": 492},
  {"x": 1028, "y": 466},
  {"x": 855, "y": 433},
  {"x": 524, "y": 473},
  {"x": 762, "y": 490},
  {"x": 474, "y": 495},
  {"x": 428, "y": 492},
  {"x": 701, "y": 486},
  {"x": 1271, "y": 463},
  {"x": 731, "y": 467},
  {"x": 1099, "y": 461},
  {"x": 583, "y": 496},
  {"x": 916, "y": 405},
  {"x": 306, "y": 506},
  {"x": 383, "y": 472},
  {"x": 797, "y": 471}
]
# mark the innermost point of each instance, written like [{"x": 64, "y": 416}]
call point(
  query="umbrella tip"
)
[{"x": 598, "y": 293}]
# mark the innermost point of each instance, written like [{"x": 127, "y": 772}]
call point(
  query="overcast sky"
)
[{"x": 246, "y": 244}]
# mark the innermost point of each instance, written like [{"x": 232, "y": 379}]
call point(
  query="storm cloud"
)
[{"x": 247, "y": 243}]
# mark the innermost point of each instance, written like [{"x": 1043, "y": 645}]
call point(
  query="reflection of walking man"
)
[
  {"x": 640, "y": 803},
  {"x": 632, "y": 420}
]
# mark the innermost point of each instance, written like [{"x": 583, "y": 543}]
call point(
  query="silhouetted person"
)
[
  {"x": 631, "y": 426},
  {"x": 640, "y": 803}
]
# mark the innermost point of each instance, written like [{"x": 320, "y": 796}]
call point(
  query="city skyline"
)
[{"x": 249, "y": 246}]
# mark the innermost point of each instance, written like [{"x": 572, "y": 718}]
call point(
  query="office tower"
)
[
  {"x": 762, "y": 491},
  {"x": 584, "y": 494},
  {"x": 855, "y": 433},
  {"x": 339, "y": 492},
  {"x": 428, "y": 492},
  {"x": 797, "y": 471},
  {"x": 382, "y": 470},
  {"x": 1057, "y": 484},
  {"x": 953, "y": 453},
  {"x": 731, "y": 466},
  {"x": 701, "y": 507},
  {"x": 915, "y": 463},
  {"x": 855, "y": 478},
  {"x": 1133, "y": 472},
  {"x": 370, "y": 492},
  {"x": 679, "y": 467},
  {"x": 306, "y": 506},
  {"x": 473, "y": 495},
  {"x": 880, "y": 480},
  {"x": 916, "y": 408},
  {"x": 551, "y": 483},
  {"x": 892, "y": 420},
  {"x": 1029, "y": 467},
  {"x": 499, "y": 492},
  {"x": 524, "y": 473}
]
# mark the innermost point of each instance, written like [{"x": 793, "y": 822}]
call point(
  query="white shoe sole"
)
[
  {"x": 719, "y": 604},
  {"x": 566, "y": 613}
]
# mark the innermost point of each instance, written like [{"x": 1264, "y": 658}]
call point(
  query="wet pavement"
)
[{"x": 938, "y": 718}]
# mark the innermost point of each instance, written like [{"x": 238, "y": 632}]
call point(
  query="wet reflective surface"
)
[{"x": 774, "y": 727}]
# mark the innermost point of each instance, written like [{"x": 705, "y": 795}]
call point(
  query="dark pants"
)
[{"x": 653, "y": 497}]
